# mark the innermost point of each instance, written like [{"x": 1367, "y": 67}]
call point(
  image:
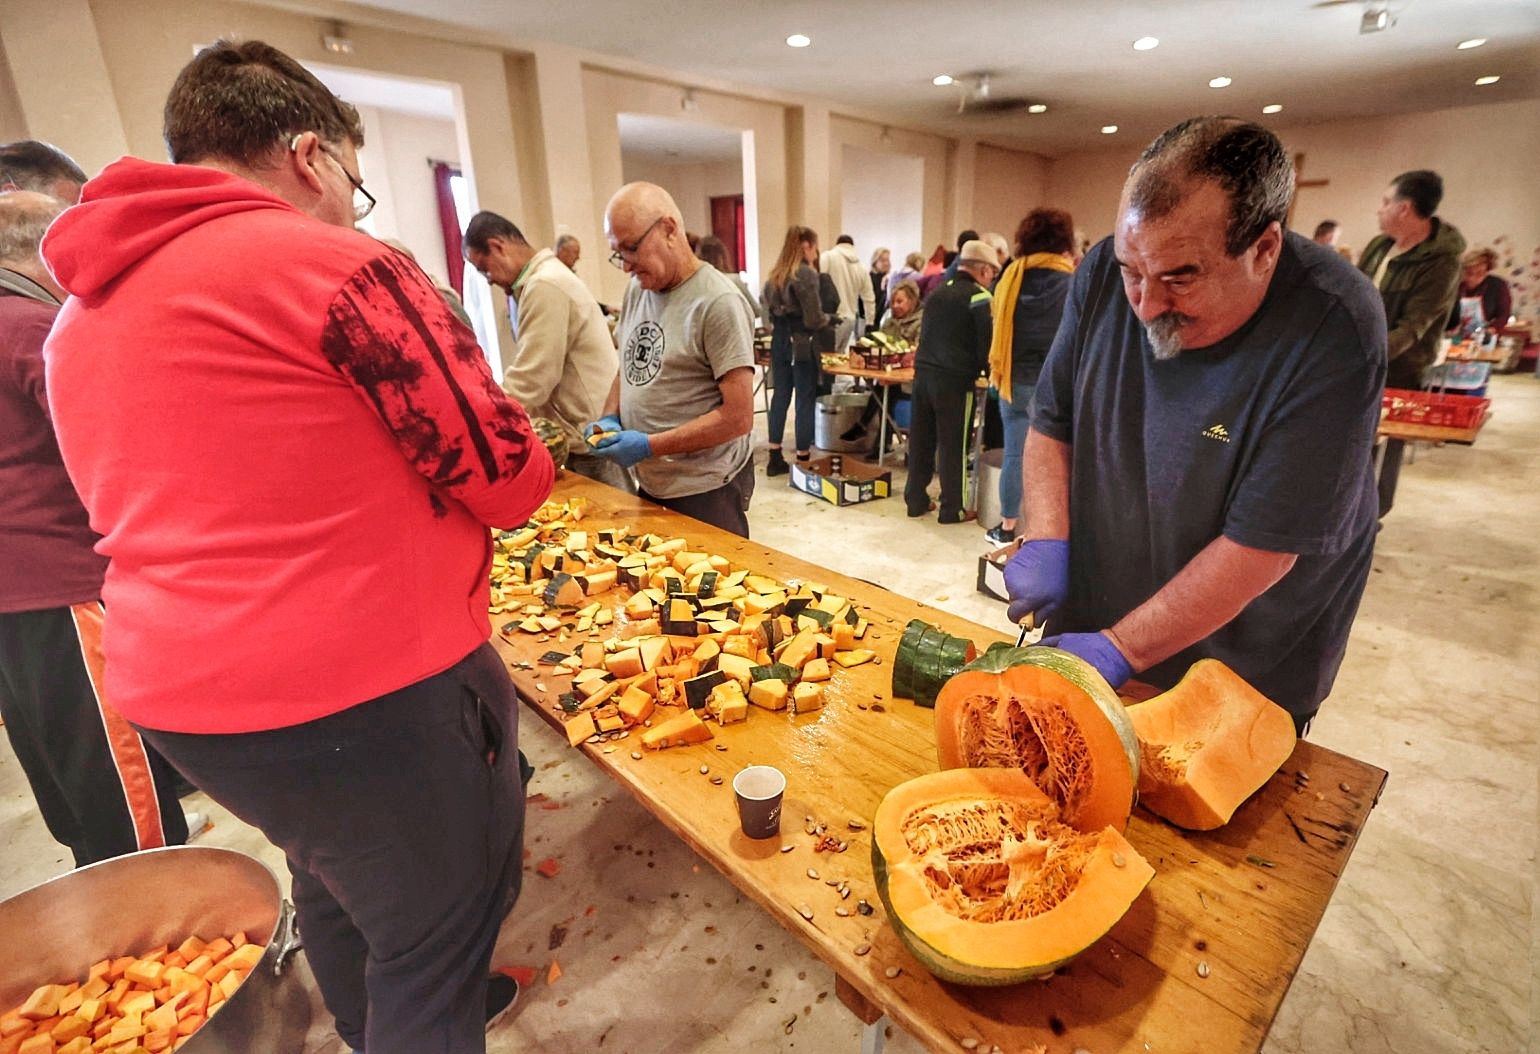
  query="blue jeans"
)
[
  {"x": 787, "y": 377},
  {"x": 1016, "y": 415}
]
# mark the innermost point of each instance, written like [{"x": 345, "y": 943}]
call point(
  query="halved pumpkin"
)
[
  {"x": 1207, "y": 745},
  {"x": 985, "y": 885},
  {"x": 1050, "y": 715}
]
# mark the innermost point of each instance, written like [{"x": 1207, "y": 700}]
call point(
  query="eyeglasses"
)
[
  {"x": 627, "y": 253},
  {"x": 360, "y": 210}
]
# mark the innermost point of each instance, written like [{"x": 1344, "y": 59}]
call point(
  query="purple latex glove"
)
[
  {"x": 1037, "y": 579},
  {"x": 1096, "y": 649},
  {"x": 625, "y": 448}
]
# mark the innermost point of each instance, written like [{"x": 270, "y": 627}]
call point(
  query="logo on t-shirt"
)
[
  {"x": 644, "y": 353},
  {"x": 1219, "y": 432}
]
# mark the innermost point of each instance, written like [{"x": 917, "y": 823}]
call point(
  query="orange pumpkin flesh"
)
[
  {"x": 1037, "y": 714},
  {"x": 1207, "y": 745},
  {"x": 986, "y": 886}
]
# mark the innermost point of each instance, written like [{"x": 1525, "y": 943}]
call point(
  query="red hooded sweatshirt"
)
[{"x": 290, "y": 446}]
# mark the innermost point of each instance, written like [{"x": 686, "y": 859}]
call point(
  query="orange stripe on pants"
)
[{"x": 124, "y": 744}]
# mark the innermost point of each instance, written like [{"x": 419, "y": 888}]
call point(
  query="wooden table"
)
[
  {"x": 885, "y": 379},
  {"x": 1245, "y": 900}
]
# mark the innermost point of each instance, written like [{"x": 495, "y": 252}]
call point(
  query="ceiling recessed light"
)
[
  {"x": 1484, "y": 81},
  {"x": 1473, "y": 42},
  {"x": 942, "y": 80},
  {"x": 798, "y": 40},
  {"x": 1273, "y": 107},
  {"x": 1219, "y": 82},
  {"x": 1109, "y": 129},
  {"x": 1146, "y": 43},
  {"x": 1038, "y": 107}
]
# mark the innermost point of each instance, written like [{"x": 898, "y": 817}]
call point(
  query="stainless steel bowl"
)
[{"x": 53, "y": 932}]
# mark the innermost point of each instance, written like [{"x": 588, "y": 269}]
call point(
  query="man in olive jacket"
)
[{"x": 1415, "y": 264}]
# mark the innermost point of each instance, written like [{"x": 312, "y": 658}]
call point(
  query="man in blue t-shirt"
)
[{"x": 1199, "y": 472}]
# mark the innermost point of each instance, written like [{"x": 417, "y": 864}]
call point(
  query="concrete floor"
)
[{"x": 1429, "y": 945}]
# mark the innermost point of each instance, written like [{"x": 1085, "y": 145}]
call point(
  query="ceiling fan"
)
[
  {"x": 1378, "y": 15},
  {"x": 977, "y": 99}
]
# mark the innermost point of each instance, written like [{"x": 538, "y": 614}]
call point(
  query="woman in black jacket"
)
[
  {"x": 792, "y": 302},
  {"x": 1028, "y": 304}
]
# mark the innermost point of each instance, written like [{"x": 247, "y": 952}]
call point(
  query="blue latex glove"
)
[
  {"x": 1096, "y": 649},
  {"x": 611, "y": 423},
  {"x": 626, "y": 448},
  {"x": 1037, "y": 579}
]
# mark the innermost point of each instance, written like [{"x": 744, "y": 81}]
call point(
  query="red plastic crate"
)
[{"x": 1429, "y": 408}]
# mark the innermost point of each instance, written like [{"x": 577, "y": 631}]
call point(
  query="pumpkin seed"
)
[
  {"x": 805, "y": 911},
  {"x": 855, "y": 824},
  {"x": 968, "y": 1043},
  {"x": 864, "y": 908},
  {"x": 788, "y": 1026},
  {"x": 807, "y": 819},
  {"x": 842, "y": 912},
  {"x": 831, "y": 882},
  {"x": 891, "y": 972},
  {"x": 539, "y": 686},
  {"x": 787, "y": 848},
  {"x": 843, "y": 846},
  {"x": 635, "y": 756},
  {"x": 844, "y": 892},
  {"x": 594, "y": 739},
  {"x": 704, "y": 769},
  {"x": 862, "y": 948},
  {"x": 608, "y": 750},
  {"x": 716, "y": 781},
  {"x": 624, "y": 735},
  {"x": 1118, "y": 860},
  {"x": 810, "y": 829},
  {"x": 1203, "y": 970},
  {"x": 721, "y": 746},
  {"x": 1344, "y": 788},
  {"x": 811, "y": 873}
]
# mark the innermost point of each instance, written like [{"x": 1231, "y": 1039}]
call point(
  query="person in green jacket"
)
[{"x": 1415, "y": 264}]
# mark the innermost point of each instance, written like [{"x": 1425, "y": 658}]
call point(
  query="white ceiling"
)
[
  {"x": 878, "y": 56},
  {"x": 421, "y": 98},
  {"x": 677, "y": 141}
]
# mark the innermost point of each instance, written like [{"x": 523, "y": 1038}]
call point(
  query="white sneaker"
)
[{"x": 197, "y": 823}]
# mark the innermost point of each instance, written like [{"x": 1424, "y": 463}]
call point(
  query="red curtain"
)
[{"x": 449, "y": 223}]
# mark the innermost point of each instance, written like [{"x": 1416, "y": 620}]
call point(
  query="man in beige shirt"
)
[{"x": 565, "y": 360}]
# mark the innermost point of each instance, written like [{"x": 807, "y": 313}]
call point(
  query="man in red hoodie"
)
[{"x": 292, "y": 450}]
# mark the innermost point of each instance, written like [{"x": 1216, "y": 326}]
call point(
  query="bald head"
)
[
  {"x": 24, "y": 219},
  {"x": 646, "y": 233}
]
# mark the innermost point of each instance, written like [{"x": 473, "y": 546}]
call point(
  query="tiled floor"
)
[{"x": 1429, "y": 946}]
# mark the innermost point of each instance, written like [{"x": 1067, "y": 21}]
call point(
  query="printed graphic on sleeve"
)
[
  {"x": 389, "y": 333},
  {"x": 644, "y": 354}
]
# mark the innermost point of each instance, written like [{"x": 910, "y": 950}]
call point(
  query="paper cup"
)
[{"x": 758, "y": 790}]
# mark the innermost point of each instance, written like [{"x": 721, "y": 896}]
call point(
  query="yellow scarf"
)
[{"x": 1007, "y": 289}]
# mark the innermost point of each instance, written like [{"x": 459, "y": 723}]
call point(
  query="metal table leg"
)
[
  {"x": 882, "y": 429},
  {"x": 874, "y": 1036}
]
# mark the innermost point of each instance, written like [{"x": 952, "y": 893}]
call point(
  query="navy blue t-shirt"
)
[{"x": 1267, "y": 438}]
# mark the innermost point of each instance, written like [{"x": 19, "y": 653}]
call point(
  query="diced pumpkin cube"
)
[
  {"x": 636, "y": 705},
  {"x": 69, "y": 1029},
  {"x": 806, "y": 697},
  {"x": 686, "y": 728},
  {"x": 626, "y": 663},
  {"x": 844, "y": 635},
  {"x": 43, "y": 1003},
  {"x": 578, "y": 728},
  {"x": 769, "y": 693},
  {"x": 816, "y": 670},
  {"x": 855, "y": 658}
]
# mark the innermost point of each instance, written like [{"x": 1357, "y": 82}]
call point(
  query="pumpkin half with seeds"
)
[
  {"x": 1051, "y": 716},
  {"x": 1207, "y": 745},
  {"x": 986, "y": 886}
]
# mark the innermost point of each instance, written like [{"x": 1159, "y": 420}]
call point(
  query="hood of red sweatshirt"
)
[{"x": 132, "y": 209}]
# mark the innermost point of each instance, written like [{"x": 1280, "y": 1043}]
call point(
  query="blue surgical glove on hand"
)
[
  {"x": 1096, "y": 649},
  {"x": 610, "y": 423},
  {"x": 1037, "y": 579},
  {"x": 626, "y": 448}
]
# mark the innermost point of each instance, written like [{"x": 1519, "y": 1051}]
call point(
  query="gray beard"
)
[{"x": 1165, "y": 335}]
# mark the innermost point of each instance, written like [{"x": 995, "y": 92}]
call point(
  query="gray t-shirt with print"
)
[{"x": 674, "y": 348}]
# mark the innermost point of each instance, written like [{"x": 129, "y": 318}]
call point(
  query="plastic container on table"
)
[{"x": 1433, "y": 408}]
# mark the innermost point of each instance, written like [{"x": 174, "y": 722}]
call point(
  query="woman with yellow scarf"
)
[{"x": 1028, "y": 303}]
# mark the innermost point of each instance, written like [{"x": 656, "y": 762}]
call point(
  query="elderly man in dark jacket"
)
[{"x": 1415, "y": 264}]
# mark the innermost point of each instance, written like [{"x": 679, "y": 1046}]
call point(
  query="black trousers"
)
[
  {"x": 941, "y": 417},
  {"x": 101, "y": 791},
  {"x": 726, "y": 506},
  {"x": 403, "y": 822},
  {"x": 1390, "y": 473}
]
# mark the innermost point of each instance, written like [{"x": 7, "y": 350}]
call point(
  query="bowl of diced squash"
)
[{"x": 175, "y": 949}]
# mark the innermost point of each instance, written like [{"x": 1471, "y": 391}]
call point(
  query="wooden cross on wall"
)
[{"x": 1300, "y": 183}]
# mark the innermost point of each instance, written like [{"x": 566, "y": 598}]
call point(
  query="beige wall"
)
[
  {"x": 1488, "y": 156},
  {"x": 13, "y": 125},
  {"x": 692, "y": 185},
  {"x": 1007, "y": 184},
  {"x": 933, "y": 150},
  {"x": 394, "y": 165}
]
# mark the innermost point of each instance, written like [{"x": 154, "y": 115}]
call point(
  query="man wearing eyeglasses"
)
[
  {"x": 682, "y": 407},
  {"x": 293, "y": 450},
  {"x": 1198, "y": 475}
]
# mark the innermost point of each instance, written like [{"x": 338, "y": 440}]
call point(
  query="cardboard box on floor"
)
[{"x": 857, "y": 481}]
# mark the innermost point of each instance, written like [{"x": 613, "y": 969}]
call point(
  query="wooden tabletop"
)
[
  {"x": 897, "y": 375},
  {"x": 1412, "y": 432},
  {"x": 1244, "y": 900}
]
